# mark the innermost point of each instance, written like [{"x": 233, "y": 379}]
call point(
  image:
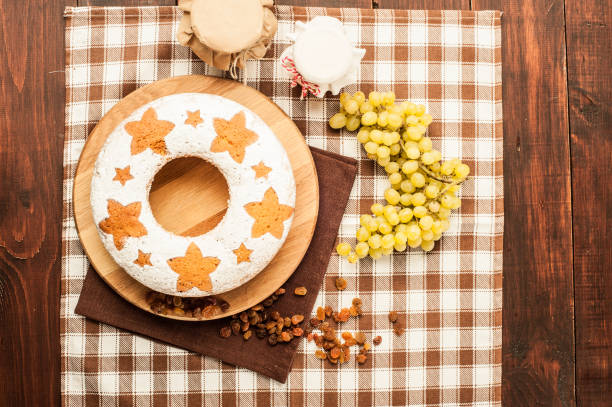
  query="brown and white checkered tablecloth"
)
[{"x": 450, "y": 298}]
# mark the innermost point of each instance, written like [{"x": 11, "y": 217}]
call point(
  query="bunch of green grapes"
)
[{"x": 422, "y": 188}]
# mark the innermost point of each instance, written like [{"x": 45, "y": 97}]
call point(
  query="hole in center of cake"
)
[{"x": 189, "y": 196}]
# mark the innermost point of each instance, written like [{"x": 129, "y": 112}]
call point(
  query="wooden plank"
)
[
  {"x": 423, "y": 4},
  {"x": 589, "y": 29},
  {"x": 31, "y": 141},
  {"x": 538, "y": 331},
  {"x": 327, "y": 3}
]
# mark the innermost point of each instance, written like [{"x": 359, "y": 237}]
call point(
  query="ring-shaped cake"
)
[{"x": 247, "y": 153}]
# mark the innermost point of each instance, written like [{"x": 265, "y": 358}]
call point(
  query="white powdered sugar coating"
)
[{"x": 234, "y": 228}]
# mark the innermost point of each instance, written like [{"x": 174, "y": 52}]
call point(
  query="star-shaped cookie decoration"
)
[
  {"x": 144, "y": 259},
  {"x": 193, "y": 118},
  {"x": 269, "y": 215},
  {"x": 193, "y": 269},
  {"x": 242, "y": 254},
  {"x": 123, "y": 222},
  {"x": 149, "y": 133},
  {"x": 123, "y": 175},
  {"x": 232, "y": 136},
  {"x": 261, "y": 170}
]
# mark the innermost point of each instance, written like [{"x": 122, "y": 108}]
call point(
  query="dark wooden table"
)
[{"x": 557, "y": 317}]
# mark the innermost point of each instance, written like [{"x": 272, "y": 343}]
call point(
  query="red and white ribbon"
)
[{"x": 298, "y": 79}]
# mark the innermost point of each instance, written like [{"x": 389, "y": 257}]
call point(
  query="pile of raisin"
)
[
  {"x": 398, "y": 327},
  {"x": 198, "y": 307}
]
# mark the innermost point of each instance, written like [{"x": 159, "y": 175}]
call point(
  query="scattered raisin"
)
[
  {"x": 335, "y": 352},
  {"x": 332, "y": 361},
  {"x": 398, "y": 329},
  {"x": 361, "y": 359},
  {"x": 300, "y": 291},
  {"x": 260, "y": 333},
  {"x": 247, "y": 335},
  {"x": 357, "y": 302},
  {"x": 328, "y": 311},
  {"x": 244, "y": 317},
  {"x": 310, "y": 337},
  {"x": 235, "y": 326},
  {"x": 225, "y": 332},
  {"x": 360, "y": 338},
  {"x": 287, "y": 322},
  {"x": 286, "y": 336},
  {"x": 275, "y": 315},
  {"x": 346, "y": 335},
  {"x": 393, "y": 316},
  {"x": 377, "y": 340},
  {"x": 280, "y": 291},
  {"x": 340, "y": 283},
  {"x": 315, "y": 322},
  {"x": 272, "y": 339},
  {"x": 321, "y": 314},
  {"x": 297, "y": 331},
  {"x": 344, "y": 315},
  {"x": 350, "y": 342},
  {"x": 366, "y": 346},
  {"x": 353, "y": 311},
  {"x": 257, "y": 307},
  {"x": 244, "y": 326},
  {"x": 268, "y": 302},
  {"x": 224, "y": 305},
  {"x": 320, "y": 354},
  {"x": 297, "y": 318}
]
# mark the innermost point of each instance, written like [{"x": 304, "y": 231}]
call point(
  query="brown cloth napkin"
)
[{"x": 98, "y": 301}]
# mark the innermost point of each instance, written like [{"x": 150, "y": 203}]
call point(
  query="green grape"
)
[
  {"x": 402, "y": 227},
  {"x": 375, "y": 241},
  {"x": 396, "y": 137},
  {"x": 412, "y": 120},
  {"x": 395, "y": 178},
  {"x": 370, "y": 147},
  {"x": 417, "y": 179},
  {"x": 376, "y": 136},
  {"x": 395, "y": 149},
  {"x": 383, "y": 161},
  {"x": 377, "y": 209},
  {"x": 365, "y": 108},
  {"x": 396, "y": 187},
  {"x": 400, "y": 237},
  {"x": 359, "y": 97},
  {"x": 392, "y": 167},
  {"x": 437, "y": 155},
  {"x": 383, "y": 152},
  {"x": 343, "y": 249},
  {"x": 344, "y": 97},
  {"x": 420, "y": 109},
  {"x": 425, "y": 119},
  {"x": 387, "y": 251},
  {"x": 337, "y": 121},
  {"x": 399, "y": 247},
  {"x": 362, "y": 249},
  {"x": 419, "y": 211},
  {"x": 433, "y": 206},
  {"x": 382, "y": 119},
  {"x": 353, "y": 122},
  {"x": 427, "y": 235},
  {"x": 443, "y": 213},
  {"x": 437, "y": 236},
  {"x": 387, "y": 138},
  {"x": 415, "y": 243},
  {"x": 410, "y": 166},
  {"x": 435, "y": 167},
  {"x": 418, "y": 199},
  {"x": 394, "y": 121},
  {"x": 388, "y": 210},
  {"x": 407, "y": 186},
  {"x": 400, "y": 160},
  {"x": 447, "y": 201},
  {"x": 462, "y": 171},
  {"x": 369, "y": 118},
  {"x": 427, "y": 158},
  {"x": 363, "y": 136},
  {"x": 453, "y": 188},
  {"x": 375, "y": 98},
  {"x": 456, "y": 203},
  {"x": 413, "y": 134},
  {"x": 388, "y": 98},
  {"x": 384, "y": 228},
  {"x": 431, "y": 191},
  {"x": 375, "y": 254},
  {"x": 436, "y": 227},
  {"x": 425, "y": 144},
  {"x": 362, "y": 234},
  {"x": 445, "y": 225},
  {"x": 413, "y": 232},
  {"x": 426, "y": 222},
  {"x": 405, "y": 198},
  {"x": 352, "y": 257},
  {"x": 372, "y": 226},
  {"x": 409, "y": 108},
  {"x": 351, "y": 106},
  {"x": 405, "y": 215},
  {"x": 447, "y": 168},
  {"x": 392, "y": 196},
  {"x": 412, "y": 151},
  {"x": 393, "y": 219},
  {"x": 365, "y": 219},
  {"x": 427, "y": 245},
  {"x": 387, "y": 241}
]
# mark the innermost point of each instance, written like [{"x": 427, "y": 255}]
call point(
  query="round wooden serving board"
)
[{"x": 179, "y": 187}]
